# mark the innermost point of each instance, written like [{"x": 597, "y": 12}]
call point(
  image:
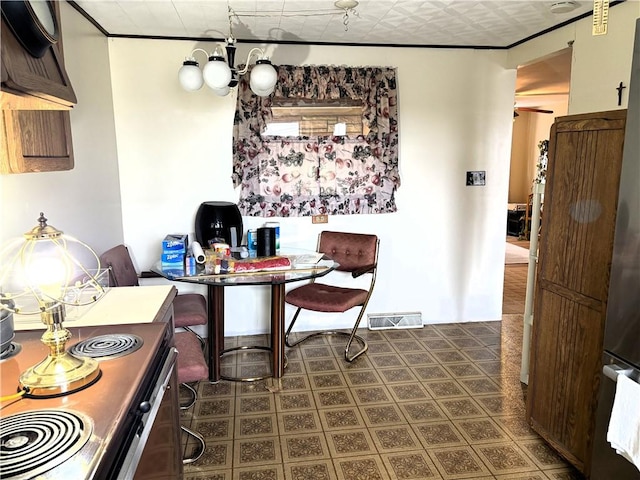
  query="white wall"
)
[
  {"x": 83, "y": 202},
  {"x": 599, "y": 63},
  {"x": 596, "y": 69},
  {"x": 441, "y": 253}
]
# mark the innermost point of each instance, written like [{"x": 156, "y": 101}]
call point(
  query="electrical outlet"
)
[{"x": 319, "y": 218}]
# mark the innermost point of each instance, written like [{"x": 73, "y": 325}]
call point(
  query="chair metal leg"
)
[
  {"x": 200, "y": 339},
  {"x": 192, "y": 400},
  {"x": 193, "y": 434},
  {"x": 352, "y": 336},
  {"x": 198, "y": 451},
  {"x": 286, "y": 335}
]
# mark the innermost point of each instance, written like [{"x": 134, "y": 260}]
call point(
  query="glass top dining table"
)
[{"x": 216, "y": 283}]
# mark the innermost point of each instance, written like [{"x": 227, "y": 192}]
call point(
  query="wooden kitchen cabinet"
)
[
  {"x": 35, "y": 126},
  {"x": 576, "y": 241},
  {"x": 35, "y": 141},
  {"x": 41, "y": 82}
]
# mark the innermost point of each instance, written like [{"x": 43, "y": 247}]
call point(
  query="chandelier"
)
[{"x": 220, "y": 74}]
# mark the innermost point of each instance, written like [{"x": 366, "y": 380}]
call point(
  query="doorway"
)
[{"x": 542, "y": 94}]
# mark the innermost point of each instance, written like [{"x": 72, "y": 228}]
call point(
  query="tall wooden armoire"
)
[{"x": 576, "y": 242}]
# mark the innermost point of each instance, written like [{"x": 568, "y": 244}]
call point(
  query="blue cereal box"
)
[{"x": 175, "y": 243}]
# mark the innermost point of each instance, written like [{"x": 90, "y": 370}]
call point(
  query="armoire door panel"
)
[
  {"x": 566, "y": 376},
  {"x": 577, "y": 255},
  {"x": 576, "y": 243},
  {"x": 592, "y": 303}
]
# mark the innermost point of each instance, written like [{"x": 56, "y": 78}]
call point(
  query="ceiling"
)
[
  {"x": 444, "y": 23},
  {"x": 463, "y": 23}
]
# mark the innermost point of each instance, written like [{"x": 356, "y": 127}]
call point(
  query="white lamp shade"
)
[
  {"x": 221, "y": 92},
  {"x": 263, "y": 78},
  {"x": 217, "y": 73},
  {"x": 263, "y": 93},
  {"x": 190, "y": 77}
]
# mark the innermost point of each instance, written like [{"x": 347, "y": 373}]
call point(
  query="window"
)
[
  {"x": 317, "y": 171},
  {"x": 316, "y": 118}
]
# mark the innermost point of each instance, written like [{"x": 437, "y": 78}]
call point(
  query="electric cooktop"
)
[{"x": 70, "y": 436}]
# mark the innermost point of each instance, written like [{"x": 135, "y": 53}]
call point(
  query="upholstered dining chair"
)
[
  {"x": 357, "y": 254},
  {"x": 191, "y": 367},
  {"x": 189, "y": 309}
]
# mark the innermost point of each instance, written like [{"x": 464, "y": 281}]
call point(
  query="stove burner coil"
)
[
  {"x": 34, "y": 442},
  {"x": 108, "y": 346},
  {"x": 11, "y": 351}
]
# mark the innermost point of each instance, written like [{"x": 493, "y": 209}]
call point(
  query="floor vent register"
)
[{"x": 386, "y": 321}]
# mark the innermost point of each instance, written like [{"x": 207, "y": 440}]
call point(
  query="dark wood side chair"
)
[
  {"x": 357, "y": 254},
  {"x": 189, "y": 309}
]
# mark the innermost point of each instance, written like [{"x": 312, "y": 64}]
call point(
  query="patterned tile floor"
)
[
  {"x": 515, "y": 286},
  {"x": 439, "y": 402},
  {"x": 515, "y": 282}
]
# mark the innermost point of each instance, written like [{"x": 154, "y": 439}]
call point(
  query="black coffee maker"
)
[{"x": 218, "y": 222}]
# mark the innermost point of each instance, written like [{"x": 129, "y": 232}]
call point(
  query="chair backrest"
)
[
  {"x": 351, "y": 250},
  {"x": 122, "y": 273}
]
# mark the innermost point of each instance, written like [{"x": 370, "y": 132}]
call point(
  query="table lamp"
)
[{"x": 43, "y": 273}]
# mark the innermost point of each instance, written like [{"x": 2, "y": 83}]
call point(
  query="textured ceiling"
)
[
  {"x": 475, "y": 23},
  {"x": 470, "y": 23}
]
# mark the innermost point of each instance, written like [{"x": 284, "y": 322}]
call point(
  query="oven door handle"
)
[
  {"x": 612, "y": 372},
  {"x": 149, "y": 410}
]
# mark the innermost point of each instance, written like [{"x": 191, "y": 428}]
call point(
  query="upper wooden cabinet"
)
[
  {"x": 30, "y": 83},
  {"x": 35, "y": 125},
  {"x": 576, "y": 244},
  {"x": 35, "y": 141}
]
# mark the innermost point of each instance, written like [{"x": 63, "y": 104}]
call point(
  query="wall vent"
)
[{"x": 385, "y": 321}]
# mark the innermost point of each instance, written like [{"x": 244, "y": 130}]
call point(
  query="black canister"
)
[{"x": 266, "y": 241}]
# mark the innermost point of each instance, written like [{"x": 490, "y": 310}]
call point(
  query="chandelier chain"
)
[{"x": 300, "y": 13}]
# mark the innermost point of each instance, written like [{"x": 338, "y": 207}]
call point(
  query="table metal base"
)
[{"x": 239, "y": 349}]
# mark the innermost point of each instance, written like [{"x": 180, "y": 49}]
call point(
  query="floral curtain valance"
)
[{"x": 296, "y": 176}]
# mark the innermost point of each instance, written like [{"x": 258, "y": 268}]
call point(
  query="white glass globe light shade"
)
[
  {"x": 263, "y": 93},
  {"x": 263, "y": 77},
  {"x": 190, "y": 76},
  {"x": 221, "y": 92},
  {"x": 217, "y": 73}
]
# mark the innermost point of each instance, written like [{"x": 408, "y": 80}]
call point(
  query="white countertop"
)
[{"x": 120, "y": 305}]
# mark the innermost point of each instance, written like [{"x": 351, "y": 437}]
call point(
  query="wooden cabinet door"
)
[
  {"x": 585, "y": 157},
  {"x": 35, "y": 141}
]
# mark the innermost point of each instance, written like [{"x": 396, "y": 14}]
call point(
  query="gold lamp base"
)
[{"x": 59, "y": 375}]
